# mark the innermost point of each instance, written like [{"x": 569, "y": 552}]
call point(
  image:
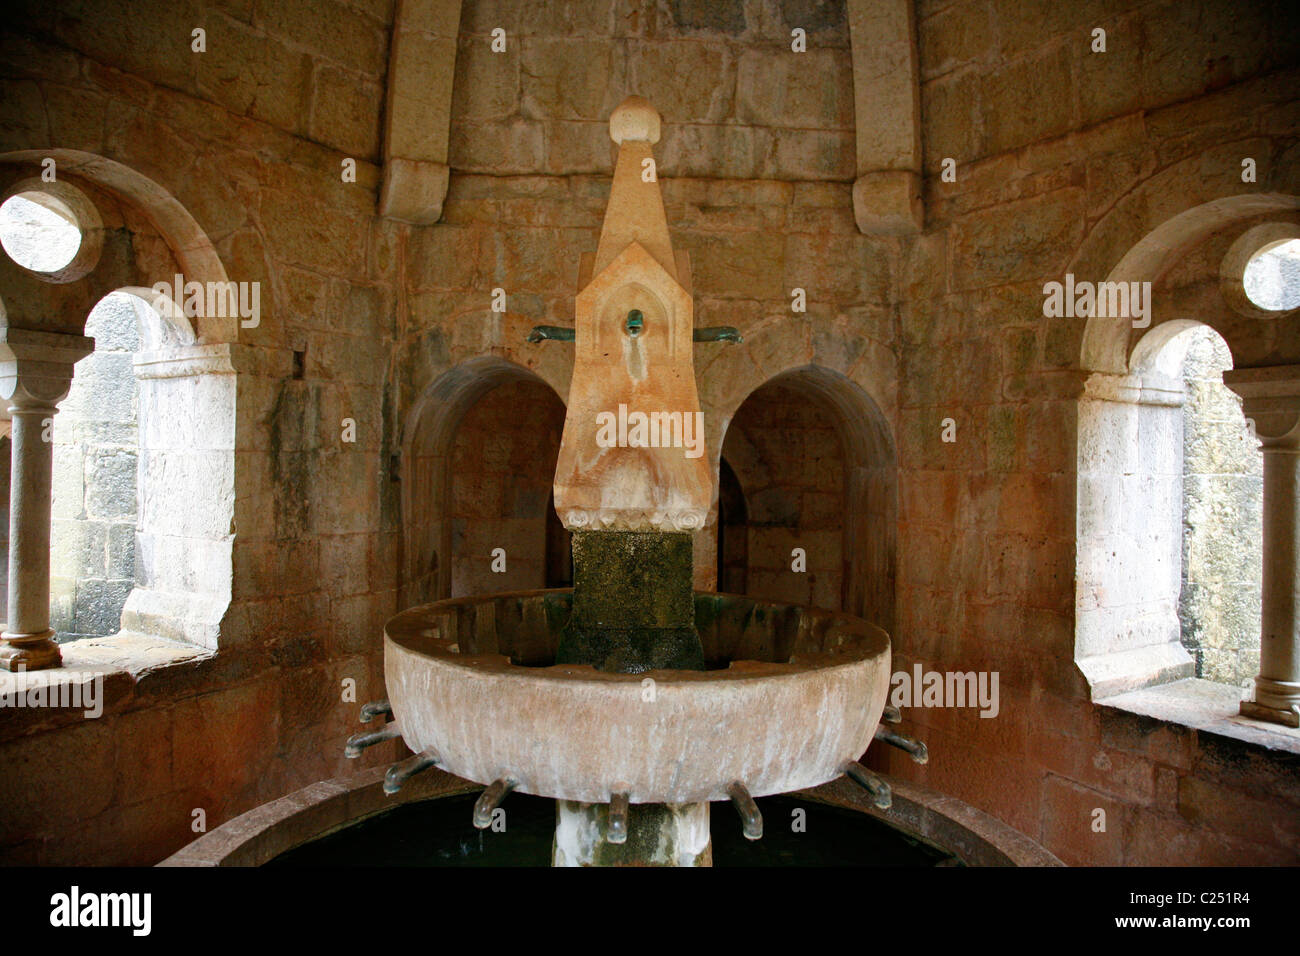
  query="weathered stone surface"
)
[
  {"x": 888, "y": 203},
  {"x": 658, "y": 835},
  {"x": 1222, "y": 496},
  {"x": 344, "y": 112},
  {"x": 632, "y": 605}
]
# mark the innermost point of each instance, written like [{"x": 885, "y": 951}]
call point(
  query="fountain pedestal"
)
[
  {"x": 633, "y": 606},
  {"x": 658, "y": 834},
  {"x": 633, "y": 495}
]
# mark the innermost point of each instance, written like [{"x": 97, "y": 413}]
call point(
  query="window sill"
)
[
  {"x": 120, "y": 662},
  {"x": 134, "y": 654},
  {"x": 1207, "y": 707}
]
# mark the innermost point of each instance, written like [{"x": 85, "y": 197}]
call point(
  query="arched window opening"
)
[
  {"x": 140, "y": 469},
  {"x": 1272, "y": 276},
  {"x": 39, "y": 231},
  {"x": 1134, "y": 627}
]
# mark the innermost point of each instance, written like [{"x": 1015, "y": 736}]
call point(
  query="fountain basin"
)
[{"x": 793, "y": 695}]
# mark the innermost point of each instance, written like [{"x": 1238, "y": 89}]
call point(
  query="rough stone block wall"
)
[
  {"x": 731, "y": 108},
  {"x": 786, "y": 454},
  {"x": 1222, "y": 522},
  {"x": 92, "y": 559},
  {"x": 503, "y": 465}
]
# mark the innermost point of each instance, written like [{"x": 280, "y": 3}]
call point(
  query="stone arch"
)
[
  {"x": 187, "y": 248},
  {"x": 870, "y": 524},
  {"x": 160, "y": 328},
  {"x": 1129, "y": 437},
  {"x": 1130, "y": 518},
  {"x": 427, "y": 441},
  {"x": 1105, "y": 346},
  {"x": 784, "y": 344},
  {"x": 184, "y": 376},
  {"x": 185, "y": 499}
]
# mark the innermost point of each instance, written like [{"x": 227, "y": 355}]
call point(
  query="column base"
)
[
  {"x": 658, "y": 834},
  {"x": 29, "y": 652},
  {"x": 1277, "y": 701},
  {"x": 1289, "y": 717}
]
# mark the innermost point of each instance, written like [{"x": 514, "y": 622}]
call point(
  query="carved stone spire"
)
[{"x": 632, "y": 457}]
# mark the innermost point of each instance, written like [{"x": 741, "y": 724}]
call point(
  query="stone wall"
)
[
  {"x": 786, "y": 455},
  {"x": 249, "y": 138},
  {"x": 737, "y": 103},
  {"x": 502, "y": 467},
  {"x": 1222, "y": 522},
  {"x": 92, "y": 558},
  {"x": 1064, "y": 160}
]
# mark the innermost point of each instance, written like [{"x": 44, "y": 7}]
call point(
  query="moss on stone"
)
[{"x": 633, "y": 604}]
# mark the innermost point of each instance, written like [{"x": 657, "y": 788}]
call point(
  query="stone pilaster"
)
[
  {"x": 1271, "y": 399},
  {"x": 35, "y": 374}
]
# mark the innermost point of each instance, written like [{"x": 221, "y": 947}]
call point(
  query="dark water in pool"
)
[{"x": 439, "y": 833}]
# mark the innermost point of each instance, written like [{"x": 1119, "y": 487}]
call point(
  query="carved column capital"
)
[
  {"x": 1270, "y": 397},
  {"x": 36, "y": 367}
]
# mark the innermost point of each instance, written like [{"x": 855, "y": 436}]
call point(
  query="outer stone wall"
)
[
  {"x": 92, "y": 565},
  {"x": 1222, "y": 522}
]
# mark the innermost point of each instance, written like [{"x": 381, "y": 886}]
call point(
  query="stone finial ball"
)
[{"x": 634, "y": 119}]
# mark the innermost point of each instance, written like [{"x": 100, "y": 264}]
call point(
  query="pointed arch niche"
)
[
  {"x": 812, "y": 465},
  {"x": 478, "y": 461}
]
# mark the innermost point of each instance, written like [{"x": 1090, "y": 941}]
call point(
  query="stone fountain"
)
[{"x": 632, "y": 701}]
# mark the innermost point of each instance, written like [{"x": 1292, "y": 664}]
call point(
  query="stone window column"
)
[
  {"x": 1271, "y": 399},
  {"x": 35, "y": 374}
]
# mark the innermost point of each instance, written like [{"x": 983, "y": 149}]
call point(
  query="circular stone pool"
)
[
  {"x": 317, "y": 824},
  {"x": 799, "y": 832}
]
